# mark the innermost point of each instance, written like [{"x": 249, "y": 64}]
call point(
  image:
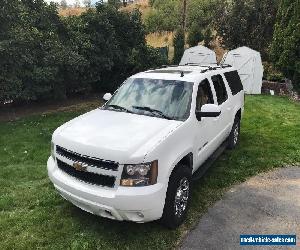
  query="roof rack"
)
[
  {"x": 209, "y": 67},
  {"x": 163, "y": 66}
]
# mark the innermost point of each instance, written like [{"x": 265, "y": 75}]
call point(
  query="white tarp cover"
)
[
  {"x": 249, "y": 66},
  {"x": 198, "y": 55}
]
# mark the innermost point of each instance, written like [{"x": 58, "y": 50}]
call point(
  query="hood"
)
[{"x": 112, "y": 135}]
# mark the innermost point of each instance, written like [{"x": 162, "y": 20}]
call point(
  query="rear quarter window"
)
[
  {"x": 220, "y": 88},
  {"x": 234, "y": 81}
]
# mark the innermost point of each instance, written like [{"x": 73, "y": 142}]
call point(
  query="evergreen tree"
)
[{"x": 285, "y": 47}]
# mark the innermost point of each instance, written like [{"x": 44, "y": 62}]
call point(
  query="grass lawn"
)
[{"x": 33, "y": 215}]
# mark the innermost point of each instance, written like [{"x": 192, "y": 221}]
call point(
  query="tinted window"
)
[
  {"x": 220, "y": 88},
  {"x": 204, "y": 95},
  {"x": 234, "y": 81}
]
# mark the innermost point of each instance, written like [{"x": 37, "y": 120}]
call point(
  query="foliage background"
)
[{"x": 46, "y": 56}]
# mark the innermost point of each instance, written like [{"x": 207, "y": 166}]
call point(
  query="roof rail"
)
[
  {"x": 163, "y": 66},
  {"x": 213, "y": 66}
]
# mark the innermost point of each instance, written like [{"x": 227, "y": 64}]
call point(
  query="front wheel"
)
[
  {"x": 178, "y": 197},
  {"x": 234, "y": 136}
]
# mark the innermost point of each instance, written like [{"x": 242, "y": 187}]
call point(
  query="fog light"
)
[{"x": 127, "y": 182}]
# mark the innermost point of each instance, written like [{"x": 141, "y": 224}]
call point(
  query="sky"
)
[{"x": 70, "y": 2}]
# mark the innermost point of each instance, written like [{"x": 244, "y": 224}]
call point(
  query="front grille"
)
[
  {"x": 91, "y": 161},
  {"x": 92, "y": 178}
]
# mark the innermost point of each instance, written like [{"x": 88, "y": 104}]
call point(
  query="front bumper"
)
[{"x": 138, "y": 204}]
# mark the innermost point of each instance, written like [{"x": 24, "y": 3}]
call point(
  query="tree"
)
[
  {"x": 164, "y": 16},
  {"x": 77, "y": 3},
  {"x": 115, "y": 3},
  {"x": 194, "y": 36},
  {"x": 247, "y": 23},
  {"x": 63, "y": 4},
  {"x": 45, "y": 56},
  {"x": 36, "y": 61},
  {"x": 178, "y": 42},
  {"x": 285, "y": 47},
  {"x": 87, "y": 3}
]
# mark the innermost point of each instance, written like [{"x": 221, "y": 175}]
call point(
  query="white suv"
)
[{"x": 133, "y": 158}]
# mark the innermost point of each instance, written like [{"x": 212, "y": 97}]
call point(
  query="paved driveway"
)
[{"x": 266, "y": 204}]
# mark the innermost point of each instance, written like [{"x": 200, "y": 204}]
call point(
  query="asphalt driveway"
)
[{"x": 266, "y": 204}]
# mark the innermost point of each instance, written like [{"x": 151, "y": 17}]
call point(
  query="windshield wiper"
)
[
  {"x": 151, "y": 110},
  {"x": 118, "y": 108}
]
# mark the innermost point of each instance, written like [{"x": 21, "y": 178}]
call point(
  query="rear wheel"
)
[
  {"x": 178, "y": 197},
  {"x": 234, "y": 136}
]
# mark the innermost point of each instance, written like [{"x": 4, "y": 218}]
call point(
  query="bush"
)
[
  {"x": 272, "y": 74},
  {"x": 178, "y": 45},
  {"x": 194, "y": 36},
  {"x": 247, "y": 23},
  {"x": 164, "y": 16},
  {"x": 285, "y": 46},
  {"x": 45, "y": 56},
  {"x": 34, "y": 56}
]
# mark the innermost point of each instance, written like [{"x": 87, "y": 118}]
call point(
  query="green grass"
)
[{"x": 33, "y": 215}]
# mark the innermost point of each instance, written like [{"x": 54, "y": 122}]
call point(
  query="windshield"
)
[{"x": 169, "y": 99}]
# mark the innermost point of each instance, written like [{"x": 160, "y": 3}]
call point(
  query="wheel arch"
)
[
  {"x": 238, "y": 114},
  {"x": 185, "y": 160}
]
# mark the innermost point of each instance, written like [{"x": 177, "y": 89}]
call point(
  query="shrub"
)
[
  {"x": 194, "y": 36},
  {"x": 285, "y": 46},
  {"x": 272, "y": 74},
  {"x": 178, "y": 45},
  {"x": 46, "y": 56}
]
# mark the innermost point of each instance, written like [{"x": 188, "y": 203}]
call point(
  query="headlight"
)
[
  {"x": 53, "y": 150},
  {"x": 139, "y": 175}
]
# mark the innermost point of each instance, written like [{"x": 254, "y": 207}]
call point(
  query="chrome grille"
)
[
  {"x": 88, "y": 177},
  {"x": 90, "y": 161}
]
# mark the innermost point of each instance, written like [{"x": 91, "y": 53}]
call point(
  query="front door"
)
[
  {"x": 204, "y": 127},
  {"x": 223, "y": 122}
]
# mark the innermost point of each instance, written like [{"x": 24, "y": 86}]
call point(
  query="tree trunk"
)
[{"x": 184, "y": 15}]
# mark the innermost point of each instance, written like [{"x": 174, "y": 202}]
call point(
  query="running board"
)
[{"x": 205, "y": 166}]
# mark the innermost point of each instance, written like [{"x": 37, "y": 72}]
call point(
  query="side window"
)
[
  {"x": 219, "y": 88},
  {"x": 204, "y": 95},
  {"x": 234, "y": 81}
]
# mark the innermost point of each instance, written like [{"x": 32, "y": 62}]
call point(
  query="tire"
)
[
  {"x": 175, "y": 210},
  {"x": 234, "y": 135}
]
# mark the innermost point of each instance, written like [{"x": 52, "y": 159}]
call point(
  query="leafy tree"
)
[
  {"x": 44, "y": 55},
  {"x": 77, "y": 3},
  {"x": 151, "y": 2},
  {"x": 165, "y": 16},
  {"x": 32, "y": 52},
  {"x": 285, "y": 47},
  {"x": 202, "y": 14},
  {"x": 63, "y": 4},
  {"x": 87, "y": 3},
  {"x": 247, "y": 23},
  {"x": 178, "y": 45},
  {"x": 194, "y": 36},
  {"x": 114, "y": 3}
]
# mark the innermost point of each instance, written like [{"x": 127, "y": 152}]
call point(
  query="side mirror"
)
[
  {"x": 208, "y": 110},
  {"x": 107, "y": 96}
]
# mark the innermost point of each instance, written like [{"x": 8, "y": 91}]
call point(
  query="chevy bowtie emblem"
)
[{"x": 79, "y": 166}]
